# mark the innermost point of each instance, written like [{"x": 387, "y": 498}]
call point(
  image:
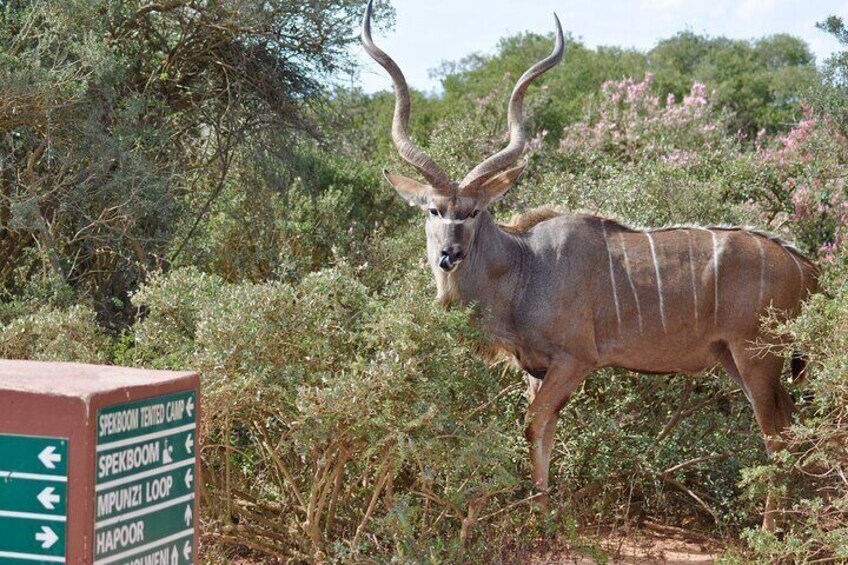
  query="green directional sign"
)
[
  {"x": 33, "y": 505},
  {"x": 145, "y": 492},
  {"x": 34, "y": 454},
  {"x": 33, "y": 496},
  {"x": 145, "y": 481},
  {"x": 166, "y": 525}
]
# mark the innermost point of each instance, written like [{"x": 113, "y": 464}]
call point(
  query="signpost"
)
[
  {"x": 98, "y": 465},
  {"x": 145, "y": 480},
  {"x": 33, "y": 505}
]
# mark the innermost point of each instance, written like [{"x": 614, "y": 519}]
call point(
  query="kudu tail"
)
[{"x": 799, "y": 367}]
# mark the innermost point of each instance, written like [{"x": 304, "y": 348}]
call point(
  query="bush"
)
[
  {"x": 337, "y": 423},
  {"x": 55, "y": 334},
  {"x": 816, "y": 461}
]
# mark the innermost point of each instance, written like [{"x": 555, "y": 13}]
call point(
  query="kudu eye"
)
[
  {"x": 433, "y": 212},
  {"x": 475, "y": 213}
]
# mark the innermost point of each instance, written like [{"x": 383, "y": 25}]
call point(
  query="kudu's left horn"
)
[
  {"x": 411, "y": 153},
  {"x": 515, "y": 121}
]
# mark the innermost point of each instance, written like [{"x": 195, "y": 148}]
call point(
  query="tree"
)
[
  {"x": 123, "y": 122},
  {"x": 831, "y": 98},
  {"x": 562, "y": 94},
  {"x": 760, "y": 81}
]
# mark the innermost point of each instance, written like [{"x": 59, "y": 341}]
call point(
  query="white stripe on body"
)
[
  {"x": 694, "y": 281},
  {"x": 762, "y": 271},
  {"x": 630, "y": 280},
  {"x": 659, "y": 279},
  {"x": 800, "y": 269},
  {"x": 715, "y": 275},
  {"x": 612, "y": 276}
]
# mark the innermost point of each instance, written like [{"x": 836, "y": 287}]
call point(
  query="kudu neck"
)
[{"x": 490, "y": 270}]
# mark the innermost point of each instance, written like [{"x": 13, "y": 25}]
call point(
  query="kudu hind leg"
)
[
  {"x": 559, "y": 384},
  {"x": 760, "y": 379}
]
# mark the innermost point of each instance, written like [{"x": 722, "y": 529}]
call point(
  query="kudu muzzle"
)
[{"x": 450, "y": 258}]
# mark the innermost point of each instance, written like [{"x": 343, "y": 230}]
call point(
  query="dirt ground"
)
[
  {"x": 660, "y": 545},
  {"x": 655, "y": 545}
]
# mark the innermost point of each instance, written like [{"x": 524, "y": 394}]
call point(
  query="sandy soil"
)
[
  {"x": 660, "y": 546},
  {"x": 656, "y": 545}
]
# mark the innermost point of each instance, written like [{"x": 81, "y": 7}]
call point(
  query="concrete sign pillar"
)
[{"x": 98, "y": 465}]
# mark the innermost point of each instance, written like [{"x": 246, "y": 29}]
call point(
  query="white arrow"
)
[
  {"x": 187, "y": 550},
  {"x": 175, "y": 555},
  {"x": 189, "y": 478},
  {"x": 189, "y": 443},
  {"x": 190, "y": 406},
  {"x": 49, "y": 457},
  {"x": 47, "y": 537},
  {"x": 48, "y": 498},
  {"x": 187, "y": 515}
]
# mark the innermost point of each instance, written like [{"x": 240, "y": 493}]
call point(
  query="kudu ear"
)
[
  {"x": 412, "y": 191},
  {"x": 494, "y": 188}
]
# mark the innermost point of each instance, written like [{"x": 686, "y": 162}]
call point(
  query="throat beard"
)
[{"x": 447, "y": 291}]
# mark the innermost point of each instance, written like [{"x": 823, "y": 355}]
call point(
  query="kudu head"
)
[{"x": 453, "y": 207}]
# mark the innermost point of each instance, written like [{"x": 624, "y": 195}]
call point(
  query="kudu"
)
[{"x": 568, "y": 294}]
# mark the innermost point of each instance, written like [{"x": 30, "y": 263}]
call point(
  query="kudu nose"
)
[{"x": 450, "y": 258}]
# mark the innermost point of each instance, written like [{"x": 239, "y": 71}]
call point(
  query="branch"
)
[
  {"x": 281, "y": 467},
  {"x": 676, "y": 417},
  {"x": 219, "y": 187},
  {"x": 378, "y": 488},
  {"x": 695, "y": 461},
  {"x": 510, "y": 506},
  {"x": 690, "y": 492},
  {"x": 492, "y": 400}
]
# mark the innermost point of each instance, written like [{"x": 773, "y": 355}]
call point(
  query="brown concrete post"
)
[{"x": 98, "y": 465}]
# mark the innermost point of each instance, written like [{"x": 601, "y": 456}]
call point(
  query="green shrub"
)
[
  {"x": 816, "y": 462},
  {"x": 358, "y": 424},
  {"x": 55, "y": 334}
]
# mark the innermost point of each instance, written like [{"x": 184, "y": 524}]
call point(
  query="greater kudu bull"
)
[{"x": 568, "y": 294}]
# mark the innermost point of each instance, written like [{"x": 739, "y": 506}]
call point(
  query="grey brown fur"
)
[{"x": 566, "y": 294}]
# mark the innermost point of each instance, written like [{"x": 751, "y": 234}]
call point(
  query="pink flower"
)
[
  {"x": 828, "y": 252},
  {"x": 535, "y": 144},
  {"x": 678, "y": 157},
  {"x": 697, "y": 95}
]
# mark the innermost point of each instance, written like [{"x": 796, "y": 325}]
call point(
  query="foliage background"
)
[{"x": 185, "y": 184}]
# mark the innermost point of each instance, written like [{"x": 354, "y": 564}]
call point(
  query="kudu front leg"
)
[{"x": 560, "y": 382}]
